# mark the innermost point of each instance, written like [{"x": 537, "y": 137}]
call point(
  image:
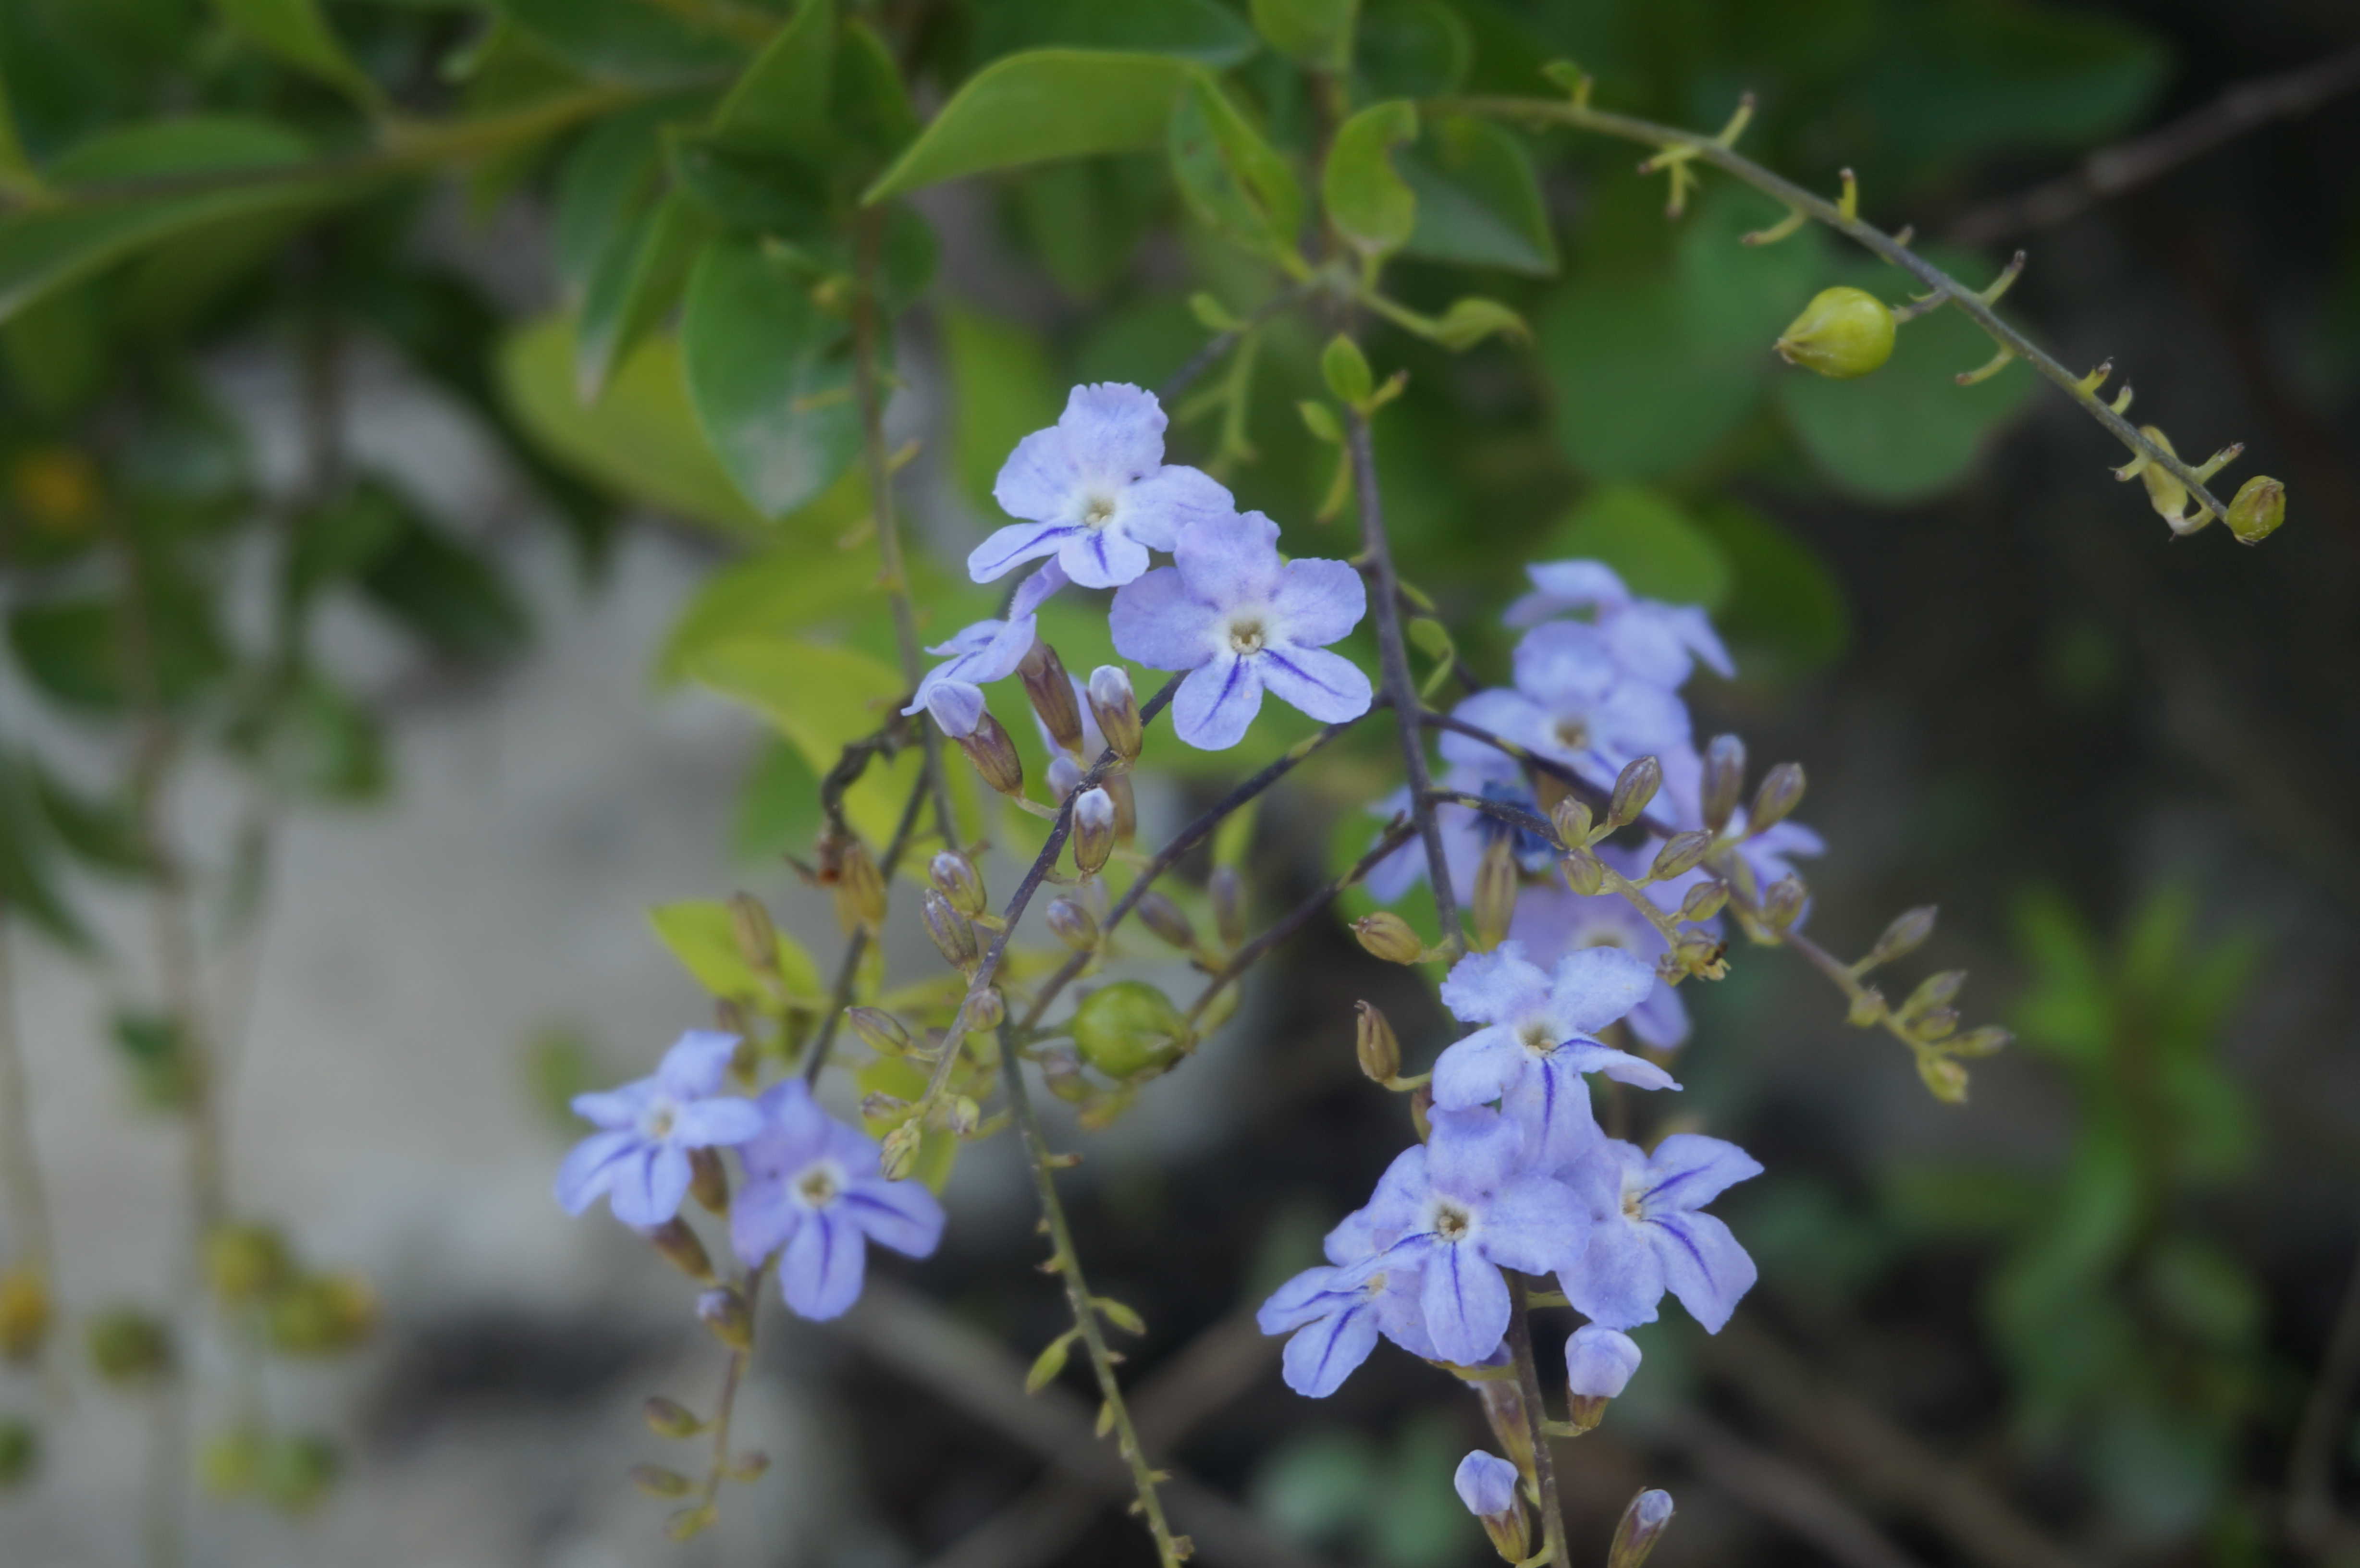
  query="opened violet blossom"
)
[
  {"x": 1655, "y": 641},
  {"x": 1552, "y": 922},
  {"x": 1094, "y": 493},
  {"x": 1647, "y": 1236},
  {"x": 1574, "y": 703},
  {"x": 638, "y": 1159},
  {"x": 1335, "y": 1312},
  {"x": 1242, "y": 623}
]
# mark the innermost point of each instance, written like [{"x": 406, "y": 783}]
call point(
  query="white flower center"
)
[
  {"x": 1571, "y": 732},
  {"x": 1247, "y": 635},
  {"x": 1538, "y": 1038},
  {"x": 820, "y": 1183},
  {"x": 1633, "y": 1203},
  {"x": 655, "y": 1122},
  {"x": 1449, "y": 1222},
  {"x": 1605, "y": 933},
  {"x": 1098, "y": 511}
]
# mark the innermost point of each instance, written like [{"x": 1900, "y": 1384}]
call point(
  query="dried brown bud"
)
[
  {"x": 1051, "y": 691},
  {"x": 1724, "y": 780},
  {"x": 1781, "y": 792},
  {"x": 994, "y": 755},
  {"x": 1377, "y": 1046},
  {"x": 1495, "y": 901},
  {"x": 1634, "y": 788},
  {"x": 681, "y": 1247},
  {"x": 708, "y": 1181},
  {"x": 860, "y": 888},
  {"x": 1388, "y": 936}
]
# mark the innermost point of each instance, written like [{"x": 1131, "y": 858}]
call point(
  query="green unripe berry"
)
[
  {"x": 1129, "y": 1030},
  {"x": 2257, "y": 509},
  {"x": 1842, "y": 332}
]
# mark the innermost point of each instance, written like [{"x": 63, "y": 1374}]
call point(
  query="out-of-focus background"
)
[{"x": 411, "y": 748}]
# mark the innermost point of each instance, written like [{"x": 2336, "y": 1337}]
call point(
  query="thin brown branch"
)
[
  {"x": 1779, "y": 1490},
  {"x": 848, "y": 968},
  {"x": 1399, "y": 834}
]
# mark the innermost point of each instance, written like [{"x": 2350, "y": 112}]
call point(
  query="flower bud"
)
[
  {"x": 2257, "y": 509},
  {"x": 1228, "y": 892},
  {"x": 1509, "y": 1418},
  {"x": 994, "y": 754},
  {"x": 1935, "y": 1024},
  {"x": 1388, "y": 936},
  {"x": 1071, "y": 923},
  {"x": 1699, "y": 951},
  {"x": 1724, "y": 780},
  {"x": 954, "y": 937},
  {"x": 681, "y": 1247},
  {"x": 1129, "y": 1030},
  {"x": 1584, "y": 872},
  {"x": 1061, "y": 1070},
  {"x": 956, "y": 878},
  {"x": 1093, "y": 830},
  {"x": 1065, "y": 776},
  {"x": 1494, "y": 900},
  {"x": 658, "y": 1482},
  {"x": 899, "y": 1154},
  {"x": 1571, "y": 817},
  {"x": 1866, "y": 1007},
  {"x": 1945, "y": 1078},
  {"x": 1051, "y": 693},
  {"x": 860, "y": 890},
  {"x": 966, "y": 1116},
  {"x": 878, "y": 1107},
  {"x": 25, "y": 1312},
  {"x": 1116, "y": 709},
  {"x": 1704, "y": 900},
  {"x": 1980, "y": 1042},
  {"x": 987, "y": 1012},
  {"x": 244, "y": 1262},
  {"x": 1644, "y": 1523},
  {"x": 322, "y": 1314},
  {"x": 1599, "y": 1362},
  {"x": 1842, "y": 332},
  {"x": 1781, "y": 792},
  {"x": 1634, "y": 788},
  {"x": 1783, "y": 901},
  {"x": 879, "y": 1030},
  {"x": 709, "y": 1183},
  {"x": 1377, "y": 1046},
  {"x": 724, "y": 1311},
  {"x": 750, "y": 1465},
  {"x": 1126, "y": 806},
  {"x": 1164, "y": 918},
  {"x": 1907, "y": 932},
  {"x": 1681, "y": 854},
  {"x": 127, "y": 1345},
  {"x": 1487, "y": 1485},
  {"x": 757, "y": 939},
  {"x": 668, "y": 1418}
]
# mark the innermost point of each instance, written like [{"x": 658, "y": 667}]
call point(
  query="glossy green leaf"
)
[
  {"x": 1478, "y": 202},
  {"x": 870, "y": 103},
  {"x": 769, "y": 374},
  {"x": 794, "y": 588},
  {"x": 297, "y": 34},
  {"x": 1232, "y": 178},
  {"x": 1367, "y": 202},
  {"x": 637, "y": 279},
  {"x": 1314, "y": 33},
  {"x": 76, "y": 651},
  {"x": 336, "y": 542},
  {"x": 625, "y": 40},
  {"x": 781, "y": 101},
  {"x": 1787, "y": 615},
  {"x": 821, "y": 697},
  {"x": 642, "y": 440},
  {"x": 1200, "y": 30},
  {"x": 748, "y": 190},
  {"x": 1006, "y": 387},
  {"x": 1658, "y": 550},
  {"x": 29, "y": 881},
  {"x": 606, "y": 180},
  {"x": 1043, "y": 104},
  {"x": 1411, "y": 48},
  {"x": 101, "y": 833},
  {"x": 703, "y": 935},
  {"x": 446, "y": 592}
]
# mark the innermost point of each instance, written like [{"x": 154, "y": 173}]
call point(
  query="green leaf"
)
[
  {"x": 29, "y": 885},
  {"x": 317, "y": 741},
  {"x": 296, "y": 32},
  {"x": 637, "y": 278},
  {"x": 606, "y": 182},
  {"x": 73, "y": 649},
  {"x": 703, "y": 935},
  {"x": 769, "y": 374},
  {"x": 1787, "y": 615},
  {"x": 1313, "y": 33},
  {"x": 791, "y": 589},
  {"x": 1049, "y": 1363},
  {"x": 778, "y": 806},
  {"x": 870, "y": 103},
  {"x": 1233, "y": 180},
  {"x": 1478, "y": 202},
  {"x": 1411, "y": 48},
  {"x": 1198, "y": 30},
  {"x": 342, "y": 538},
  {"x": 821, "y": 697},
  {"x": 624, "y": 40},
  {"x": 780, "y": 101},
  {"x": 1043, "y": 104},
  {"x": 103, "y": 835},
  {"x": 1909, "y": 431},
  {"x": 642, "y": 440},
  {"x": 1368, "y": 204},
  {"x": 1004, "y": 387},
  {"x": 1346, "y": 370},
  {"x": 446, "y": 594},
  {"x": 1469, "y": 321},
  {"x": 1658, "y": 550}
]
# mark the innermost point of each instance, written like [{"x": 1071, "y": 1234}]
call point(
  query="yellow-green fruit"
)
[
  {"x": 1128, "y": 1029},
  {"x": 2257, "y": 509},
  {"x": 1842, "y": 332}
]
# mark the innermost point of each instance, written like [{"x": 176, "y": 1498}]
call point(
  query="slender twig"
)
[
  {"x": 1710, "y": 149},
  {"x": 733, "y": 1377},
  {"x": 1393, "y": 658},
  {"x": 2312, "y": 1520},
  {"x": 1528, "y": 1382},
  {"x": 1396, "y": 835},
  {"x": 1779, "y": 1490},
  {"x": 1067, "y": 1263},
  {"x": 1574, "y": 783},
  {"x": 2111, "y": 170},
  {"x": 848, "y": 968},
  {"x": 1205, "y": 358}
]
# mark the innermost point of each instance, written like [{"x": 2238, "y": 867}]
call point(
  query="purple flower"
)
[
  {"x": 639, "y": 1155},
  {"x": 1574, "y": 703},
  {"x": 1486, "y": 1484},
  {"x": 1242, "y": 622},
  {"x": 1655, "y": 641},
  {"x": 1599, "y": 1362},
  {"x": 813, "y": 1187},
  {"x": 1466, "y": 835},
  {"x": 1335, "y": 1312},
  {"x": 1553, "y": 922},
  {"x": 982, "y": 653},
  {"x": 1095, "y": 492},
  {"x": 1648, "y": 1237},
  {"x": 1465, "y": 1207},
  {"x": 1537, "y": 1043}
]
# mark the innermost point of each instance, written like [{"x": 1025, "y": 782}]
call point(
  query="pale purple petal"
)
[
  {"x": 1565, "y": 661},
  {"x": 1158, "y": 509},
  {"x": 1589, "y": 1056},
  {"x": 1035, "y": 590},
  {"x": 1508, "y": 713},
  {"x": 696, "y": 1063},
  {"x": 1390, "y": 1212},
  {"x": 630, "y": 1190},
  {"x": 1324, "y": 1352},
  {"x": 1596, "y": 986},
  {"x": 1216, "y": 703},
  {"x": 1108, "y": 435},
  {"x": 1619, "y": 1278},
  {"x": 1318, "y": 602},
  {"x": 1702, "y": 1265},
  {"x": 1658, "y": 642},
  {"x": 1562, "y": 585},
  {"x": 1534, "y": 1225},
  {"x": 1486, "y": 1484},
  {"x": 619, "y": 1107},
  {"x": 589, "y": 1170},
  {"x": 902, "y": 1216},
  {"x": 1310, "y": 1295},
  {"x": 1480, "y": 1068},
  {"x": 797, "y": 1132},
  {"x": 1327, "y": 686},
  {"x": 1231, "y": 561},
  {"x": 1599, "y": 1361},
  {"x": 957, "y": 705},
  {"x": 1466, "y": 1304},
  {"x": 1661, "y": 1021},
  {"x": 1494, "y": 987},
  {"x": 1157, "y": 623},
  {"x": 1472, "y": 1151},
  {"x": 1102, "y": 558},
  {"x": 763, "y": 1214},
  {"x": 718, "y": 1122},
  {"x": 820, "y": 1273},
  {"x": 1687, "y": 1170},
  {"x": 1551, "y": 1108},
  {"x": 1015, "y": 544},
  {"x": 1400, "y": 1318}
]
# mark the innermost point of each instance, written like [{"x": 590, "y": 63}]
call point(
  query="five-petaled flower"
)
[
  {"x": 980, "y": 654},
  {"x": 639, "y": 1158},
  {"x": 1335, "y": 1313},
  {"x": 1656, "y": 642},
  {"x": 1095, "y": 492},
  {"x": 813, "y": 1187},
  {"x": 1552, "y": 922},
  {"x": 1467, "y": 832},
  {"x": 1536, "y": 1041},
  {"x": 1242, "y": 622},
  {"x": 1574, "y": 703},
  {"x": 1647, "y": 1236}
]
